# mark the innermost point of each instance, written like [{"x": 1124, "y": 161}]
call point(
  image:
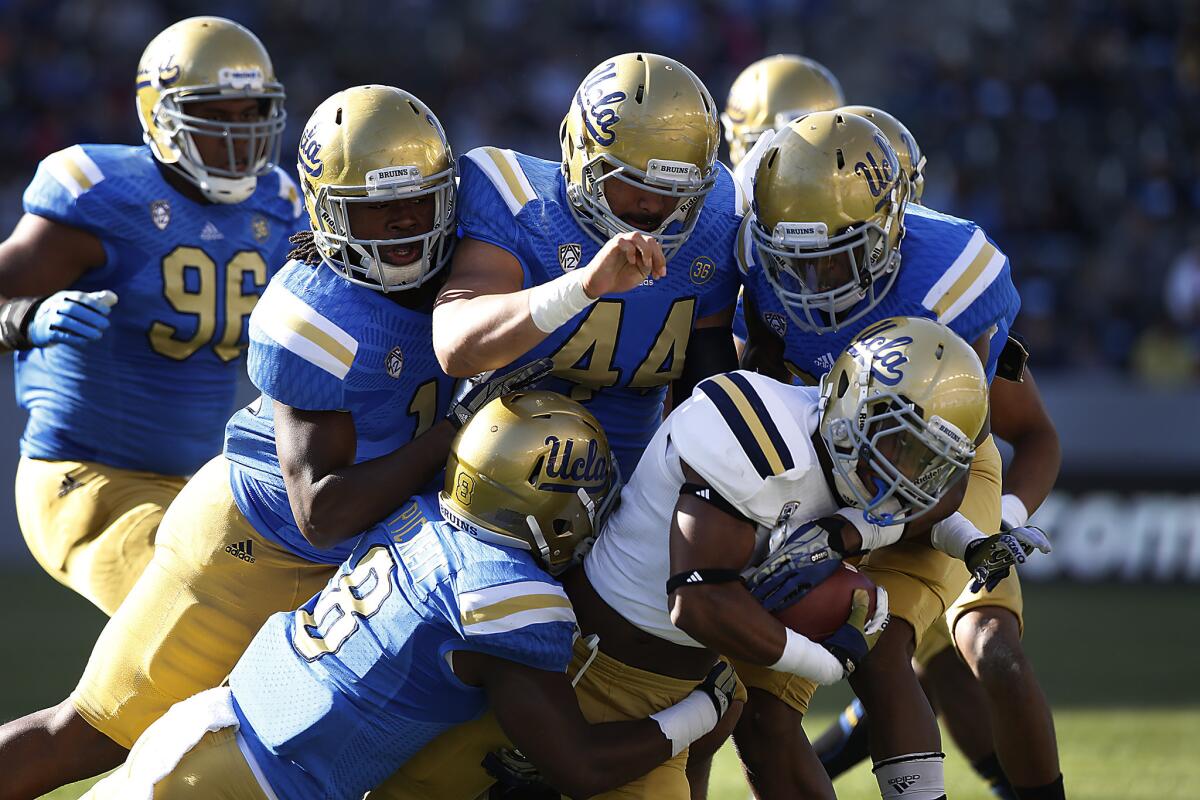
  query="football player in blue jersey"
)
[
  {"x": 822, "y": 263},
  {"x": 127, "y": 398},
  {"x": 355, "y": 415},
  {"x": 616, "y": 262},
  {"x": 425, "y": 625},
  {"x": 1006, "y": 692}
]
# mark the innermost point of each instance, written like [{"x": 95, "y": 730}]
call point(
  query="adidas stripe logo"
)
[
  {"x": 903, "y": 782},
  {"x": 210, "y": 232},
  {"x": 243, "y": 550}
]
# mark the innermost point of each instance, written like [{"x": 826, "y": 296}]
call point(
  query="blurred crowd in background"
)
[{"x": 1069, "y": 130}]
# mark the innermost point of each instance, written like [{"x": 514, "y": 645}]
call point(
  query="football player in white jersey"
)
[{"x": 745, "y": 467}]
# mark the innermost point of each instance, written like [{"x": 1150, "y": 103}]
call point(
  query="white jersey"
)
[{"x": 750, "y": 438}]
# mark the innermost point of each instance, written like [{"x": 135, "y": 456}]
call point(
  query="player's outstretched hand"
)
[
  {"x": 474, "y": 393},
  {"x": 71, "y": 317},
  {"x": 990, "y": 559},
  {"x": 849, "y": 644},
  {"x": 719, "y": 686},
  {"x": 623, "y": 263}
]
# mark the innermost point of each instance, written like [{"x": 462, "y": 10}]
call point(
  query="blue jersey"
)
[
  {"x": 334, "y": 697},
  {"x": 949, "y": 271},
  {"x": 618, "y": 355},
  {"x": 321, "y": 343},
  {"x": 153, "y": 392}
]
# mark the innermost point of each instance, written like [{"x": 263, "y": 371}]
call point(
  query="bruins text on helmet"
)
[
  {"x": 900, "y": 411},
  {"x": 912, "y": 160},
  {"x": 375, "y": 144},
  {"x": 531, "y": 470},
  {"x": 199, "y": 60},
  {"x": 828, "y": 217},
  {"x": 646, "y": 120},
  {"x": 772, "y": 92}
]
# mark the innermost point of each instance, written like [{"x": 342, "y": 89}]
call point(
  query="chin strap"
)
[{"x": 540, "y": 538}]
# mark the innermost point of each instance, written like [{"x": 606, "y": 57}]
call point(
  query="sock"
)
[
  {"x": 844, "y": 743},
  {"x": 1051, "y": 791},
  {"x": 915, "y": 776},
  {"x": 993, "y": 775}
]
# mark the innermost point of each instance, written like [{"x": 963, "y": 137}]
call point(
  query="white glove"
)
[
  {"x": 1031, "y": 538},
  {"x": 879, "y": 619}
]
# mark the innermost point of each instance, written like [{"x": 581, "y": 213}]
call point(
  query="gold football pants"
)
[
  {"x": 212, "y": 583},
  {"x": 92, "y": 526}
]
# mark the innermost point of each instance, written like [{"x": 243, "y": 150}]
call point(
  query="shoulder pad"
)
[
  {"x": 506, "y": 175},
  {"x": 733, "y": 434},
  {"x": 973, "y": 270},
  {"x": 297, "y": 327},
  {"x": 74, "y": 169}
]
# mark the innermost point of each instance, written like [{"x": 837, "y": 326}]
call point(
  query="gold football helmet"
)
[
  {"x": 772, "y": 92},
  {"x": 373, "y": 144},
  {"x": 900, "y": 411},
  {"x": 828, "y": 217},
  {"x": 912, "y": 160},
  {"x": 204, "y": 59},
  {"x": 646, "y": 120},
  {"x": 531, "y": 470}
]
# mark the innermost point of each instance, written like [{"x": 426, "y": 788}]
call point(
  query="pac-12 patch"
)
[{"x": 395, "y": 362}]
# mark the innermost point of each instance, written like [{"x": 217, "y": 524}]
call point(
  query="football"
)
[{"x": 824, "y": 609}]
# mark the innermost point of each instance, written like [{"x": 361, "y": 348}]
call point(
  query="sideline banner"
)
[{"x": 1103, "y": 536}]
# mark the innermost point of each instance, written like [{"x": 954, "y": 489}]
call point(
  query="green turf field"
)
[{"x": 1121, "y": 665}]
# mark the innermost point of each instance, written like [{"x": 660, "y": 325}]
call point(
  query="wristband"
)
[
  {"x": 1013, "y": 512},
  {"x": 804, "y": 657},
  {"x": 873, "y": 536},
  {"x": 553, "y": 303},
  {"x": 687, "y": 720},
  {"x": 15, "y": 316},
  {"x": 953, "y": 534}
]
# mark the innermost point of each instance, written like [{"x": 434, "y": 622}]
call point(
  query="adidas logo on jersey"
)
[
  {"x": 825, "y": 362},
  {"x": 210, "y": 233},
  {"x": 243, "y": 550}
]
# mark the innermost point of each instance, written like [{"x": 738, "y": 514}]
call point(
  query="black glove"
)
[
  {"x": 516, "y": 778},
  {"x": 990, "y": 559},
  {"x": 719, "y": 685},
  {"x": 475, "y": 393},
  {"x": 794, "y": 566}
]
